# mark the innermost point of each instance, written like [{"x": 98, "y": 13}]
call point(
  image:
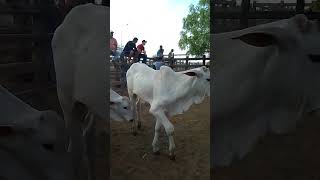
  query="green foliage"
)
[
  {"x": 195, "y": 36},
  {"x": 315, "y": 6}
]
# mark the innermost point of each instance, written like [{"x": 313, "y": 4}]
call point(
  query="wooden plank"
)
[
  {"x": 264, "y": 15},
  {"x": 25, "y": 36},
  {"x": 13, "y": 69},
  {"x": 19, "y": 9},
  {"x": 194, "y": 59}
]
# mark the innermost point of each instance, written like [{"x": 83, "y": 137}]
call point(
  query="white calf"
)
[
  {"x": 169, "y": 93},
  {"x": 120, "y": 107}
]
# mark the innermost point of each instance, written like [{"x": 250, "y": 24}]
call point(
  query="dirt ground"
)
[
  {"x": 132, "y": 158},
  {"x": 293, "y": 156}
]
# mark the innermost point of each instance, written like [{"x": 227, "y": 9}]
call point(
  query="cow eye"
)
[
  {"x": 125, "y": 108},
  {"x": 208, "y": 80},
  {"x": 314, "y": 58}
]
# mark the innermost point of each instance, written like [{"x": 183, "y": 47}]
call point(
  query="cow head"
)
[
  {"x": 37, "y": 140},
  {"x": 202, "y": 75},
  {"x": 120, "y": 109},
  {"x": 266, "y": 76}
]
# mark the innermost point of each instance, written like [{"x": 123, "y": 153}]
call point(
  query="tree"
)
[
  {"x": 315, "y": 6},
  {"x": 195, "y": 36}
]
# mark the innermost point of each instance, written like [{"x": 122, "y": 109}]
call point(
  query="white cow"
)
[
  {"x": 31, "y": 142},
  {"x": 79, "y": 51},
  {"x": 169, "y": 93},
  {"x": 266, "y": 77},
  {"x": 120, "y": 109}
]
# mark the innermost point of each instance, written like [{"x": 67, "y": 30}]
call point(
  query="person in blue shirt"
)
[
  {"x": 159, "y": 59},
  {"x": 160, "y": 53}
]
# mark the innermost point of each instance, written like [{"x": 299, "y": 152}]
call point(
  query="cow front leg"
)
[
  {"x": 90, "y": 145},
  {"x": 155, "y": 142},
  {"x": 169, "y": 128}
]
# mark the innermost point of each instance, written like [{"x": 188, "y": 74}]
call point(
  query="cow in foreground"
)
[
  {"x": 267, "y": 76},
  {"x": 31, "y": 142},
  {"x": 79, "y": 51},
  {"x": 168, "y": 92}
]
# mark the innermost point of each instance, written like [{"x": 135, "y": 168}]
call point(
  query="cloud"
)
[{"x": 158, "y": 22}]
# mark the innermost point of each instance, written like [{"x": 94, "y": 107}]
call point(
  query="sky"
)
[{"x": 159, "y": 22}]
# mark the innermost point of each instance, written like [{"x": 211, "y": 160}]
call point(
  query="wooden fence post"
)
[
  {"x": 187, "y": 62},
  {"x": 204, "y": 60},
  {"x": 105, "y": 3},
  {"x": 245, "y": 7},
  {"x": 39, "y": 54},
  {"x": 300, "y": 6},
  {"x": 254, "y": 5}
]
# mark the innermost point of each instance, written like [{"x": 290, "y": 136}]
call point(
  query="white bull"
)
[
  {"x": 265, "y": 78},
  {"x": 169, "y": 93}
]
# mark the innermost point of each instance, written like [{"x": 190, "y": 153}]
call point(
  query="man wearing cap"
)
[{"x": 142, "y": 52}]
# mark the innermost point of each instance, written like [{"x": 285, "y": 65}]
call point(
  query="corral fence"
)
[
  {"x": 228, "y": 16},
  {"x": 26, "y": 30},
  {"x": 179, "y": 62}
]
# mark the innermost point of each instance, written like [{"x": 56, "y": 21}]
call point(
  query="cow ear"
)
[
  {"x": 191, "y": 73},
  {"x": 258, "y": 39},
  {"x": 6, "y": 130}
]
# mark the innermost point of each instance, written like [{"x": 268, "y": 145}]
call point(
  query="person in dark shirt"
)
[{"x": 129, "y": 49}]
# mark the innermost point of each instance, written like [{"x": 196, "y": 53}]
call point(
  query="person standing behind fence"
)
[
  {"x": 159, "y": 59},
  {"x": 160, "y": 53},
  {"x": 142, "y": 52},
  {"x": 171, "y": 58},
  {"x": 113, "y": 46}
]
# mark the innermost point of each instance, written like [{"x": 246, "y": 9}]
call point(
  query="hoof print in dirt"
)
[
  {"x": 172, "y": 157},
  {"x": 156, "y": 153},
  {"x": 134, "y": 133}
]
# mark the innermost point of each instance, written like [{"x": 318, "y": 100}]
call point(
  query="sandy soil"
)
[
  {"x": 132, "y": 158},
  {"x": 293, "y": 156}
]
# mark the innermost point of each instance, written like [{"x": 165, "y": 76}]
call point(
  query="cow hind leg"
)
[
  {"x": 139, "y": 113},
  {"x": 133, "y": 100}
]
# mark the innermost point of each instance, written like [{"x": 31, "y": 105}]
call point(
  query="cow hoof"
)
[
  {"x": 135, "y": 133},
  {"x": 156, "y": 153},
  {"x": 172, "y": 157},
  {"x": 139, "y": 125}
]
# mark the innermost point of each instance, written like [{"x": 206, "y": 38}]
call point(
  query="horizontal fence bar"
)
[
  {"x": 24, "y": 36},
  {"x": 13, "y": 69},
  {"x": 264, "y": 15},
  {"x": 23, "y": 9},
  {"x": 193, "y": 59}
]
